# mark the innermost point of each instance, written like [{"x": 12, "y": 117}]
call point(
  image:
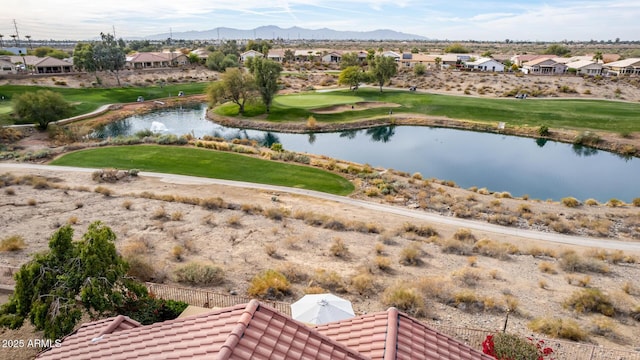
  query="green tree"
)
[
  {"x": 218, "y": 61},
  {"x": 109, "y": 56},
  {"x": 193, "y": 58},
  {"x": 487, "y": 54},
  {"x": 40, "y": 107},
  {"x": 383, "y": 69},
  {"x": 266, "y": 73},
  {"x": 438, "y": 61},
  {"x": 598, "y": 56},
  {"x": 235, "y": 86},
  {"x": 289, "y": 55},
  {"x": 557, "y": 49},
  {"x": 48, "y": 287},
  {"x": 349, "y": 59},
  {"x": 43, "y": 51},
  {"x": 419, "y": 69},
  {"x": 83, "y": 57},
  {"x": 456, "y": 48},
  {"x": 351, "y": 76}
]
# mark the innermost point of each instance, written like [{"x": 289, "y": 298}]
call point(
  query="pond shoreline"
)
[
  {"x": 611, "y": 142},
  {"x": 608, "y": 141}
]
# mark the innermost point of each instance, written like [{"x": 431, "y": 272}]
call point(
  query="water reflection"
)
[
  {"x": 541, "y": 142},
  {"x": 382, "y": 133},
  {"x": 585, "y": 151}
]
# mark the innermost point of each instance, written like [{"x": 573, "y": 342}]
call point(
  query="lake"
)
[{"x": 538, "y": 168}]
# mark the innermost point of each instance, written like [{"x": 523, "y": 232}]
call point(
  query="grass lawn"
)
[
  {"x": 89, "y": 99},
  {"x": 210, "y": 164},
  {"x": 559, "y": 113}
]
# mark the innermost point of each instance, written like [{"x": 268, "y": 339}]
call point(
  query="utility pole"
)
[
  {"x": 114, "y": 31},
  {"x": 17, "y": 34}
]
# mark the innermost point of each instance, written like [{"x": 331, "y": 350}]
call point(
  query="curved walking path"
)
[{"x": 414, "y": 214}]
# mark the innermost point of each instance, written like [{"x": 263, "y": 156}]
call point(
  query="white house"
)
[
  {"x": 250, "y": 54},
  {"x": 585, "y": 67},
  {"x": 623, "y": 67},
  {"x": 332, "y": 57},
  {"x": 392, "y": 54},
  {"x": 485, "y": 64}
]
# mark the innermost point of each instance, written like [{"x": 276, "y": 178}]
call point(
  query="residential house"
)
[
  {"x": 7, "y": 67},
  {"x": 392, "y": 54},
  {"x": 393, "y": 335},
  {"x": 155, "y": 60},
  {"x": 202, "y": 54},
  {"x": 410, "y": 60},
  {"x": 454, "y": 60},
  {"x": 332, "y": 57},
  {"x": 303, "y": 55},
  {"x": 51, "y": 65},
  {"x": 629, "y": 66},
  {"x": 485, "y": 64},
  {"x": 250, "y": 54},
  {"x": 520, "y": 60},
  {"x": 257, "y": 331},
  {"x": 276, "y": 55},
  {"x": 585, "y": 67},
  {"x": 544, "y": 66}
]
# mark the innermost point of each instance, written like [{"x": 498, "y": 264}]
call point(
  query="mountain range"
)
[{"x": 292, "y": 33}]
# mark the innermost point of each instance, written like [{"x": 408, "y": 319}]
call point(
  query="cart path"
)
[{"x": 610, "y": 244}]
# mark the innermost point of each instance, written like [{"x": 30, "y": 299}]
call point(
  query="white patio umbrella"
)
[{"x": 321, "y": 309}]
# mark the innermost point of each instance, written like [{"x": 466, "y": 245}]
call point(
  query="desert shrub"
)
[
  {"x": 383, "y": 263},
  {"x": 159, "y": 213},
  {"x": 591, "y": 202},
  {"x": 271, "y": 249},
  {"x": 12, "y": 243},
  {"x": 329, "y": 280},
  {"x": 406, "y": 299},
  {"x": 103, "y": 190},
  {"x": 9, "y": 191},
  {"x": 293, "y": 272},
  {"x": 587, "y": 138},
  {"x": 199, "y": 273},
  {"x": 314, "y": 290},
  {"x": 603, "y": 326},
  {"x": 177, "y": 252},
  {"x": 363, "y": 283},
  {"x": 570, "y": 261},
  {"x": 275, "y": 213},
  {"x": 176, "y": 216},
  {"x": 468, "y": 276},
  {"x": 570, "y": 202},
  {"x": 141, "y": 269},
  {"x": 590, "y": 300},
  {"x": 614, "y": 203},
  {"x": 410, "y": 255},
  {"x": 212, "y": 203},
  {"x": 636, "y": 202},
  {"x": 127, "y": 204},
  {"x": 454, "y": 246},
  {"x": 423, "y": 230},
  {"x": 494, "y": 249},
  {"x": 547, "y": 267},
  {"x": 339, "y": 248},
  {"x": 464, "y": 235},
  {"x": 559, "y": 328},
  {"x": 269, "y": 284},
  {"x": 234, "y": 220},
  {"x": 32, "y": 202}
]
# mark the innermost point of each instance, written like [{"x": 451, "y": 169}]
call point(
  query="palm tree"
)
[
  {"x": 29, "y": 39},
  {"x": 14, "y": 39},
  {"x": 438, "y": 61},
  {"x": 1, "y": 42},
  {"x": 597, "y": 56}
]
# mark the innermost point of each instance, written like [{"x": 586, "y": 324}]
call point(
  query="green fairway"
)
[
  {"x": 210, "y": 164},
  {"x": 89, "y": 99},
  {"x": 558, "y": 113},
  {"x": 315, "y": 100}
]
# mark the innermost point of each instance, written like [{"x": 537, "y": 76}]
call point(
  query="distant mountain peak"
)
[{"x": 292, "y": 33}]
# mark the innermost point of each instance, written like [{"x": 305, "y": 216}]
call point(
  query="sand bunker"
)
[{"x": 363, "y": 105}]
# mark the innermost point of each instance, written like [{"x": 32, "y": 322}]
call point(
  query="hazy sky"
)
[{"x": 550, "y": 20}]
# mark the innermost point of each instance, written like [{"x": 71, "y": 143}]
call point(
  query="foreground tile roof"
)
[
  {"x": 248, "y": 331},
  {"x": 393, "y": 335}
]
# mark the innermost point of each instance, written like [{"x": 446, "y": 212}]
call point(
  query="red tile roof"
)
[
  {"x": 394, "y": 335},
  {"x": 248, "y": 331}
]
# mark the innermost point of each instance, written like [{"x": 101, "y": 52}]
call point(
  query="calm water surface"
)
[{"x": 543, "y": 170}]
